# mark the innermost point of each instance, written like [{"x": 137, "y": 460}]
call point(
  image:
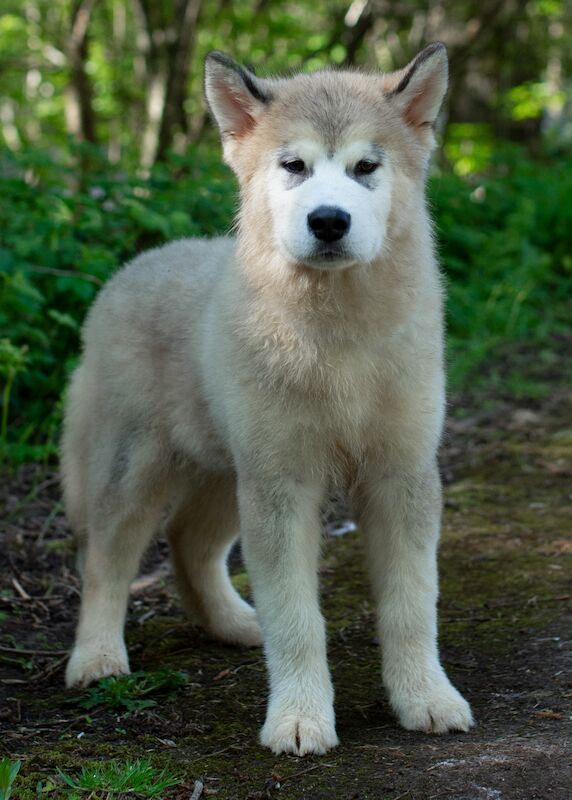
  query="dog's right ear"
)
[{"x": 236, "y": 97}]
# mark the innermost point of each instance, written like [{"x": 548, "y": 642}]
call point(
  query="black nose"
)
[{"x": 328, "y": 223}]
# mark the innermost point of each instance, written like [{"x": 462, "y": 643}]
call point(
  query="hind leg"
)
[
  {"x": 201, "y": 532},
  {"x": 120, "y": 524},
  {"x": 112, "y": 558}
]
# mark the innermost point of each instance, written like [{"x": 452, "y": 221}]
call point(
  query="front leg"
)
[
  {"x": 281, "y": 532},
  {"x": 401, "y": 524}
]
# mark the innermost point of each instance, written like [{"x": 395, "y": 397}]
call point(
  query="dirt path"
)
[{"x": 506, "y": 634}]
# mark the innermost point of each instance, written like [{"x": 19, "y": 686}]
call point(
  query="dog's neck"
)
[{"x": 329, "y": 306}]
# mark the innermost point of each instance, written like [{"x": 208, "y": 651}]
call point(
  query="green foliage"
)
[
  {"x": 525, "y": 46},
  {"x": 8, "y": 773},
  {"x": 12, "y": 362},
  {"x": 530, "y": 100},
  {"x": 505, "y": 242},
  {"x": 137, "y": 777},
  {"x": 129, "y": 693},
  {"x": 61, "y": 237},
  {"x": 469, "y": 147}
]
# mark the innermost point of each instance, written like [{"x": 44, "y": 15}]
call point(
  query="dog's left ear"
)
[
  {"x": 418, "y": 90},
  {"x": 235, "y": 95}
]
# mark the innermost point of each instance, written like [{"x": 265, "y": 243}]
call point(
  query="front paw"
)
[
  {"x": 90, "y": 664},
  {"x": 436, "y": 708},
  {"x": 300, "y": 733}
]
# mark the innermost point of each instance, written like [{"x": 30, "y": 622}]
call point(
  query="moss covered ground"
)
[{"x": 506, "y": 640}]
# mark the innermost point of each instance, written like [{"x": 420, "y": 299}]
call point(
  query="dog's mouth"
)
[{"x": 330, "y": 258}]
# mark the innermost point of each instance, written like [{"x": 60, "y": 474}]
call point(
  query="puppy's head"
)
[{"x": 321, "y": 158}]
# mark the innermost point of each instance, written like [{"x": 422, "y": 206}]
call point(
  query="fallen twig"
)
[
  {"x": 53, "y": 667},
  {"x": 48, "y": 521},
  {"x": 212, "y": 755},
  {"x": 20, "y": 589},
  {"x": 66, "y": 273},
  {"x": 284, "y": 778},
  {"x": 17, "y": 651},
  {"x": 197, "y": 790}
]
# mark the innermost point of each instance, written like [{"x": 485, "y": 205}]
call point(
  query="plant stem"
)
[{"x": 5, "y": 403}]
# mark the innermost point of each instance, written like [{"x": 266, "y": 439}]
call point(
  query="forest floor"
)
[{"x": 505, "y": 632}]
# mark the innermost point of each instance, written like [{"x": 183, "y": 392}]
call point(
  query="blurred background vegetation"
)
[{"x": 106, "y": 149}]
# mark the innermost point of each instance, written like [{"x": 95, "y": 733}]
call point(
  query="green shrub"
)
[
  {"x": 61, "y": 237},
  {"x": 505, "y": 242}
]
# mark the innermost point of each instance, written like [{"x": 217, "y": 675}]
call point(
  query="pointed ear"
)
[
  {"x": 235, "y": 96},
  {"x": 419, "y": 89}
]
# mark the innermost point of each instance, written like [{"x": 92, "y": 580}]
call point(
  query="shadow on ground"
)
[{"x": 506, "y": 640}]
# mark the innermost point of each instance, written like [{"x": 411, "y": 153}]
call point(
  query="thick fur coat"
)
[{"x": 236, "y": 381}]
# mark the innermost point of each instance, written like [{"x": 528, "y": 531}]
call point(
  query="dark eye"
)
[
  {"x": 296, "y": 166},
  {"x": 366, "y": 167}
]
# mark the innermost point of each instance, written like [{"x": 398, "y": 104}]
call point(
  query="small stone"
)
[{"x": 524, "y": 417}]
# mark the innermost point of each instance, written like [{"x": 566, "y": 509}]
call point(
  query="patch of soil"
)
[{"x": 506, "y": 640}]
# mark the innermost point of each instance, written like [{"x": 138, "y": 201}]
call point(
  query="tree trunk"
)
[
  {"x": 174, "y": 117},
  {"x": 80, "y": 116},
  {"x": 168, "y": 43}
]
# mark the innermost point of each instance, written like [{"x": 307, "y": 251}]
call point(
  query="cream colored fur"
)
[{"x": 231, "y": 380}]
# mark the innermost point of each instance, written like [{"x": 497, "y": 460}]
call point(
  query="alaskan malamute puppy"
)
[{"x": 241, "y": 379}]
